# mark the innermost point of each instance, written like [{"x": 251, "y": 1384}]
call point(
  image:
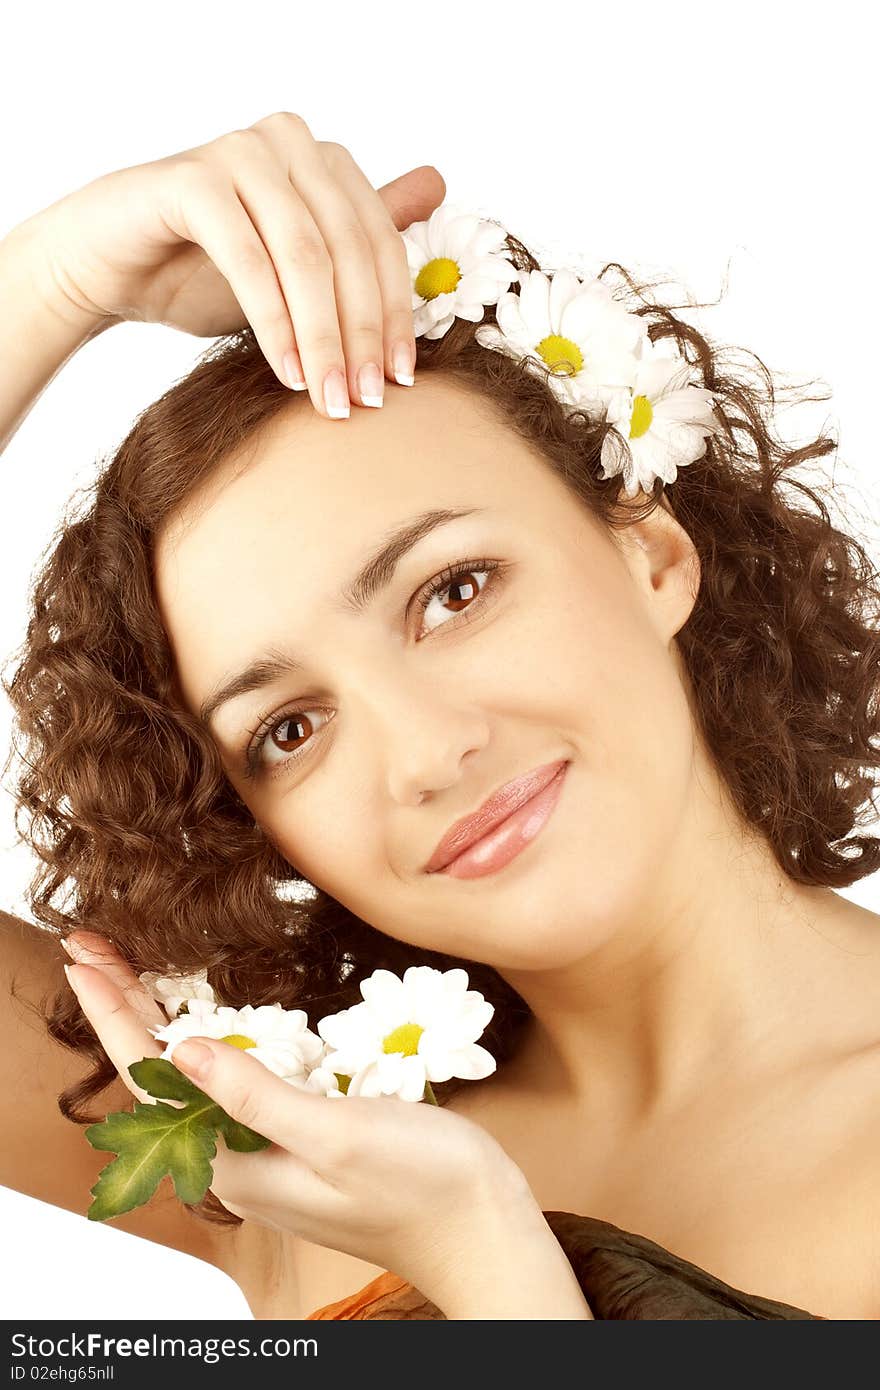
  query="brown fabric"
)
[{"x": 621, "y": 1274}]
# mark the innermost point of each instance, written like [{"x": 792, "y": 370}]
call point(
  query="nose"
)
[{"x": 423, "y": 736}]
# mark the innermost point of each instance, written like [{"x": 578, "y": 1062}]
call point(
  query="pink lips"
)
[{"x": 502, "y": 826}]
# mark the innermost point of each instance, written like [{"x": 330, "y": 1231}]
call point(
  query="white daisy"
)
[
  {"x": 279, "y": 1038},
  {"x": 173, "y": 990},
  {"x": 455, "y": 271},
  {"x": 408, "y": 1032},
  {"x": 576, "y": 328},
  {"x": 665, "y": 420}
]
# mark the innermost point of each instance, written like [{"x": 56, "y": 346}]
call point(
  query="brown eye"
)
[
  {"x": 301, "y": 726},
  {"x": 289, "y": 736},
  {"x": 455, "y": 593}
]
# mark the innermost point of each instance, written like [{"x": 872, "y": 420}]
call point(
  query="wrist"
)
[
  {"x": 27, "y": 253},
  {"x": 39, "y": 333},
  {"x": 499, "y": 1259}
]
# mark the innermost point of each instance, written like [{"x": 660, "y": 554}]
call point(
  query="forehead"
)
[
  {"x": 317, "y": 487},
  {"x": 281, "y": 527},
  {"x": 308, "y": 477}
]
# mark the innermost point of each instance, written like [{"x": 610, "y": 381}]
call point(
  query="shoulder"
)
[{"x": 45, "y": 1155}]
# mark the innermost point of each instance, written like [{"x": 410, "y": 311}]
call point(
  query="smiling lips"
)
[{"x": 502, "y": 826}]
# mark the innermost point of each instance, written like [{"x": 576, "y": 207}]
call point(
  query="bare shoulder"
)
[{"x": 45, "y": 1155}]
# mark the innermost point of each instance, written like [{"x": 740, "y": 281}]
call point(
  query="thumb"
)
[
  {"x": 413, "y": 196},
  {"x": 247, "y": 1089}
]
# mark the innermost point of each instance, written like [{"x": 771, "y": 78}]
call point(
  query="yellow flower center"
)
[
  {"x": 404, "y": 1039},
  {"x": 642, "y": 415},
  {"x": 439, "y": 276},
  {"x": 239, "y": 1040},
  {"x": 562, "y": 356}
]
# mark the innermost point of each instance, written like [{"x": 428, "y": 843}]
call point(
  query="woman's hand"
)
[
  {"x": 415, "y": 1188},
  {"x": 265, "y": 226}
]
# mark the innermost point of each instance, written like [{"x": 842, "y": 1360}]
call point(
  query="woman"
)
[{"x": 216, "y": 710}]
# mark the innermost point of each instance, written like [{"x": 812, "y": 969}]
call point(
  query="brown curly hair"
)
[{"x": 128, "y": 804}]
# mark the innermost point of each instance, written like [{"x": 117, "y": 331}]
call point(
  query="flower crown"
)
[{"x": 600, "y": 357}]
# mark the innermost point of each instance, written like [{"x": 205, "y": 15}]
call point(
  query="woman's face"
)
[{"x": 391, "y": 723}]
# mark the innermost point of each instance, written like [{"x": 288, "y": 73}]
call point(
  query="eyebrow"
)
[{"x": 374, "y": 575}]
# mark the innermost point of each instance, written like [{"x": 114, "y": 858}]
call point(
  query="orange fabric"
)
[{"x": 354, "y": 1305}]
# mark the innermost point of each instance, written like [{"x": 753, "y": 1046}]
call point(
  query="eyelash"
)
[{"x": 437, "y": 585}]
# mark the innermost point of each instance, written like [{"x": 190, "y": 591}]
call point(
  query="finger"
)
[
  {"x": 305, "y": 1124},
  {"x": 120, "y": 1030},
  {"x": 89, "y": 948},
  {"x": 270, "y": 1181},
  {"x": 388, "y": 253},
  {"x": 413, "y": 196},
  {"x": 355, "y": 287},
  {"x": 305, "y": 244},
  {"x": 349, "y": 301},
  {"x": 325, "y": 267},
  {"x": 208, "y": 212}
]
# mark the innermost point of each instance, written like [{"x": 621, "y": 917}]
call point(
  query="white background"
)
[{"x": 716, "y": 144}]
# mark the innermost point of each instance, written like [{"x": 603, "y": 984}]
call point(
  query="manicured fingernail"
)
[
  {"x": 293, "y": 371},
  {"x": 336, "y": 395},
  {"x": 66, "y": 969},
  {"x": 77, "y": 951},
  {"x": 192, "y": 1057},
  {"x": 371, "y": 384},
  {"x": 404, "y": 365}
]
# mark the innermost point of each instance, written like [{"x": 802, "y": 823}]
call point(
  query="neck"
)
[{"x": 715, "y": 973}]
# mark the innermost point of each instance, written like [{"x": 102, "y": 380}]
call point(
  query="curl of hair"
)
[{"x": 139, "y": 834}]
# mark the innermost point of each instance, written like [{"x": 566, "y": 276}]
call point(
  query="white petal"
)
[
  {"x": 425, "y": 997},
  {"x": 456, "y": 980},
  {"x": 660, "y": 376},
  {"x": 508, "y": 312},
  {"x": 472, "y": 311},
  {"x": 489, "y": 337},
  {"x": 411, "y": 1082},
  {"x": 391, "y": 1072},
  {"x": 382, "y": 990},
  {"x": 534, "y": 306},
  {"x": 460, "y": 232},
  {"x": 365, "y": 1082},
  {"x": 441, "y": 327},
  {"x": 490, "y": 240},
  {"x": 472, "y": 1062},
  {"x": 619, "y": 410},
  {"x": 690, "y": 406},
  {"x": 276, "y": 1062},
  {"x": 198, "y": 1008},
  {"x": 564, "y": 285}
]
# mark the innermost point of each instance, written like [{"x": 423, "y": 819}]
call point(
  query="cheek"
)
[
  {"x": 329, "y": 838},
  {"x": 322, "y": 847}
]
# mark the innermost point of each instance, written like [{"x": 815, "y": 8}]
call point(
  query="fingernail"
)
[
  {"x": 404, "y": 365},
  {"x": 66, "y": 969},
  {"x": 76, "y": 950},
  {"x": 336, "y": 395},
  {"x": 293, "y": 371},
  {"x": 192, "y": 1057},
  {"x": 370, "y": 384}
]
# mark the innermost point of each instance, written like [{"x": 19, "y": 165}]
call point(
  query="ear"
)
[{"x": 664, "y": 565}]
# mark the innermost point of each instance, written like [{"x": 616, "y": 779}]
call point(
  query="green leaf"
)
[
  {"x": 159, "y": 1077},
  {"x": 238, "y": 1136},
  {"x": 157, "y": 1139}
]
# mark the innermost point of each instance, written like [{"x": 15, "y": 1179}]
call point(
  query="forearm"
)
[
  {"x": 39, "y": 331},
  {"x": 511, "y": 1266}
]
